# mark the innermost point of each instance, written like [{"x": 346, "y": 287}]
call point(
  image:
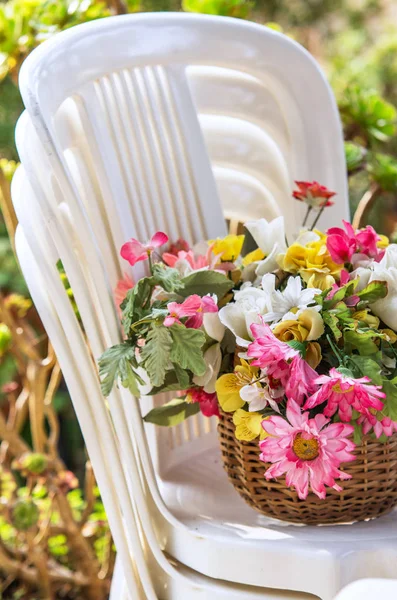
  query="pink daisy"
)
[
  {"x": 301, "y": 380},
  {"x": 270, "y": 354},
  {"x": 308, "y": 451},
  {"x": 380, "y": 426},
  {"x": 344, "y": 394}
]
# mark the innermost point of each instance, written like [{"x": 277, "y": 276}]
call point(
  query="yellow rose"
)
[
  {"x": 313, "y": 354},
  {"x": 228, "y": 248},
  {"x": 308, "y": 326},
  {"x": 228, "y": 386},
  {"x": 312, "y": 261},
  {"x": 248, "y": 425},
  {"x": 254, "y": 256}
]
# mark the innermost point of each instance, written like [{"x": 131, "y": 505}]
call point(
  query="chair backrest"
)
[{"x": 127, "y": 77}]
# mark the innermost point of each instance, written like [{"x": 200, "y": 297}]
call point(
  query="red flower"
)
[
  {"x": 314, "y": 194},
  {"x": 208, "y": 402}
]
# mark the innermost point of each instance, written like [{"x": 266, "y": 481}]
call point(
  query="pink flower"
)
[
  {"x": 134, "y": 251},
  {"x": 344, "y": 394},
  {"x": 123, "y": 286},
  {"x": 178, "y": 246},
  {"x": 188, "y": 308},
  {"x": 270, "y": 354},
  {"x": 383, "y": 426},
  {"x": 193, "y": 307},
  {"x": 314, "y": 194},
  {"x": 199, "y": 262},
  {"x": 208, "y": 402},
  {"x": 301, "y": 380},
  {"x": 343, "y": 244},
  {"x": 208, "y": 305},
  {"x": 308, "y": 451}
]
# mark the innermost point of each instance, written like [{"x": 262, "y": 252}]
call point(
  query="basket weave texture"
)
[{"x": 371, "y": 492}]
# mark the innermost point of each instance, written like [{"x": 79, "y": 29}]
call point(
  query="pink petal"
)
[
  {"x": 158, "y": 239},
  {"x": 294, "y": 415},
  {"x": 209, "y": 305},
  {"x": 169, "y": 259},
  {"x": 133, "y": 251}
]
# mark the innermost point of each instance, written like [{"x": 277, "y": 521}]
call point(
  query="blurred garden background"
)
[{"x": 50, "y": 509}]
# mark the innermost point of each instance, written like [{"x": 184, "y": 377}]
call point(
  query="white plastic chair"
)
[
  {"x": 160, "y": 578},
  {"x": 197, "y": 531},
  {"x": 370, "y": 589}
]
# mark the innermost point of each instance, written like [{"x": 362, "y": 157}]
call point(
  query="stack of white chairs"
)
[{"x": 150, "y": 122}]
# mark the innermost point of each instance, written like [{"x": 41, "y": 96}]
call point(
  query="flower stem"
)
[
  {"x": 335, "y": 350},
  {"x": 320, "y": 212},
  {"x": 309, "y": 210},
  {"x": 150, "y": 262}
]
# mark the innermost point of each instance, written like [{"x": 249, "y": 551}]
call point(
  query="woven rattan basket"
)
[{"x": 371, "y": 492}]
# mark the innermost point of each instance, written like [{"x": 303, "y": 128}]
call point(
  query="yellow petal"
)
[
  {"x": 228, "y": 248},
  {"x": 253, "y": 256},
  {"x": 228, "y": 391},
  {"x": 248, "y": 425}
]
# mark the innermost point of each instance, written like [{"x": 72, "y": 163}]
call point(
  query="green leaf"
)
[
  {"x": 167, "y": 277},
  {"x": 187, "y": 348},
  {"x": 362, "y": 341},
  {"x": 114, "y": 363},
  {"x": 136, "y": 305},
  {"x": 183, "y": 377},
  {"x": 367, "y": 367},
  {"x": 358, "y": 434},
  {"x": 332, "y": 321},
  {"x": 206, "y": 282},
  {"x": 383, "y": 169},
  {"x": 374, "y": 291},
  {"x": 172, "y": 413},
  {"x": 355, "y": 155},
  {"x": 390, "y": 408},
  {"x": 156, "y": 354},
  {"x": 345, "y": 371},
  {"x": 299, "y": 346}
]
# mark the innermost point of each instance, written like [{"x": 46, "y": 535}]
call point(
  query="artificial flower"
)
[
  {"x": 307, "y": 326},
  {"x": 292, "y": 299},
  {"x": 186, "y": 262},
  {"x": 258, "y": 397},
  {"x": 308, "y": 451},
  {"x": 194, "y": 307},
  {"x": 180, "y": 245},
  {"x": 248, "y": 306},
  {"x": 228, "y": 386},
  {"x": 228, "y": 248},
  {"x": 310, "y": 258},
  {"x": 253, "y": 257},
  {"x": 343, "y": 244},
  {"x": 301, "y": 381},
  {"x": 381, "y": 426},
  {"x": 213, "y": 360},
  {"x": 248, "y": 425},
  {"x": 313, "y": 194},
  {"x": 270, "y": 238},
  {"x": 188, "y": 308},
  {"x": 343, "y": 394},
  {"x": 213, "y": 326},
  {"x": 270, "y": 354},
  {"x": 208, "y": 402},
  {"x": 134, "y": 251},
  {"x": 385, "y": 270}
]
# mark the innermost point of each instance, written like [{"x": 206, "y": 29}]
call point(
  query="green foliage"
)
[
  {"x": 224, "y": 8},
  {"x": 206, "y": 282},
  {"x": 376, "y": 290},
  {"x": 355, "y": 156},
  {"x": 390, "y": 408},
  {"x": 168, "y": 278},
  {"x": 366, "y": 366},
  {"x": 156, "y": 353},
  {"x": 172, "y": 413},
  {"x": 368, "y": 114},
  {"x": 115, "y": 363},
  {"x": 187, "y": 348},
  {"x": 383, "y": 169},
  {"x": 361, "y": 340}
]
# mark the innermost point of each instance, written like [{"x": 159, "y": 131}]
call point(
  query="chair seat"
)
[{"x": 246, "y": 547}]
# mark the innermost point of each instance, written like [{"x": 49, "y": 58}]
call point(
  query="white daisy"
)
[{"x": 290, "y": 302}]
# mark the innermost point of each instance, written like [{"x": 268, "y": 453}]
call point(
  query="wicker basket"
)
[{"x": 371, "y": 492}]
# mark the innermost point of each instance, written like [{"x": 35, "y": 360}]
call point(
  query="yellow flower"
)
[
  {"x": 313, "y": 354},
  {"x": 248, "y": 425},
  {"x": 17, "y": 302},
  {"x": 383, "y": 242},
  {"x": 308, "y": 326},
  {"x": 228, "y": 248},
  {"x": 312, "y": 261},
  {"x": 254, "y": 256},
  {"x": 228, "y": 386},
  {"x": 390, "y": 335},
  {"x": 367, "y": 318}
]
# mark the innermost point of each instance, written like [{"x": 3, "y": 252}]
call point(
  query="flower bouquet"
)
[{"x": 292, "y": 347}]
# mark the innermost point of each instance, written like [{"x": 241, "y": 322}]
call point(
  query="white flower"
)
[
  {"x": 213, "y": 360},
  {"x": 250, "y": 303},
  {"x": 213, "y": 326},
  {"x": 270, "y": 238},
  {"x": 258, "y": 398},
  {"x": 386, "y": 270},
  {"x": 292, "y": 298}
]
